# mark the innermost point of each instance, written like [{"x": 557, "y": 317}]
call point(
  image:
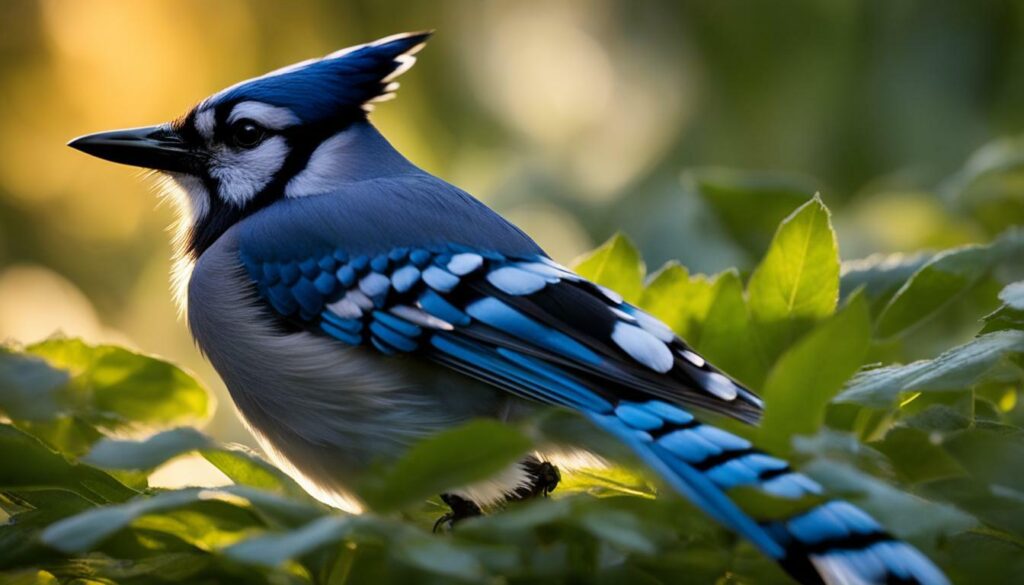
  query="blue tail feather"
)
[{"x": 833, "y": 542}]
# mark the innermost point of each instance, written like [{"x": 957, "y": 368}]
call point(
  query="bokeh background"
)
[{"x": 574, "y": 118}]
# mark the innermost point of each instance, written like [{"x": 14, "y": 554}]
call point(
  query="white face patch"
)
[
  {"x": 265, "y": 115},
  {"x": 244, "y": 173},
  {"x": 323, "y": 170},
  {"x": 205, "y": 122}
]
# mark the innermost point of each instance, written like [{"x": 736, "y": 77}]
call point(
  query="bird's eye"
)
[{"x": 246, "y": 133}]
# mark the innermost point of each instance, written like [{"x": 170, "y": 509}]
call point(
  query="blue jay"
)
[{"x": 354, "y": 303}]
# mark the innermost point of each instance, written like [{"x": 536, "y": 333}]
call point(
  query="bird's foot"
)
[
  {"x": 545, "y": 478},
  {"x": 461, "y": 508}
]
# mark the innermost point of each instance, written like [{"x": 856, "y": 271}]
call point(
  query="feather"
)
[
  {"x": 643, "y": 347},
  {"x": 513, "y": 281}
]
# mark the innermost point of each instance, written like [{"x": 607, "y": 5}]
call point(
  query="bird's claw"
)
[{"x": 461, "y": 508}]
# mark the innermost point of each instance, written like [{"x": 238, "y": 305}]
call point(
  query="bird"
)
[{"x": 353, "y": 304}]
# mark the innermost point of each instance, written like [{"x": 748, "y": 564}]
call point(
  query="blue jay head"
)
[{"x": 248, "y": 145}]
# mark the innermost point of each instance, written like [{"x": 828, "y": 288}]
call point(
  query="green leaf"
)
[
  {"x": 940, "y": 281},
  {"x": 604, "y": 482},
  {"x": 83, "y": 532},
  {"x": 113, "y": 387},
  {"x": 523, "y": 518},
  {"x": 617, "y": 265},
  {"x": 29, "y": 577},
  {"x": 1011, "y": 314},
  {"x": 619, "y": 528},
  {"x": 276, "y": 510},
  {"x": 453, "y": 458},
  {"x": 750, "y": 205},
  {"x": 811, "y": 372},
  {"x": 984, "y": 558},
  {"x": 937, "y": 417},
  {"x": 917, "y": 455},
  {"x": 70, "y": 435},
  {"x": 1002, "y": 319},
  {"x": 410, "y": 546},
  {"x": 272, "y": 550},
  {"x": 244, "y": 467},
  {"x": 988, "y": 186},
  {"x": 27, "y": 464},
  {"x": 728, "y": 339},
  {"x": 440, "y": 557},
  {"x": 880, "y": 275},
  {"x": 797, "y": 283},
  {"x": 87, "y": 530},
  {"x": 905, "y": 515},
  {"x": 991, "y": 456},
  {"x": 956, "y": 369},
  {"x": 998, "y": 506},
  {"x": 240, "y": 464},
  {"x": 147, "y": 454},
  {"x": 19, "y": 536},
  {"x": 29, "y": 387},
  {"x": 840, "y": 446},
  {"x": 1013, "y": 295},
  {"x": 679, "y": 299}
]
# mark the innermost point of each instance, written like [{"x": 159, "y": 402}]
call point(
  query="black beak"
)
[{"x": 152, "y": 147}]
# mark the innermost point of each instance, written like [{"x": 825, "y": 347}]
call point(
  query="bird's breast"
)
[{"x": 321, "y": 410}]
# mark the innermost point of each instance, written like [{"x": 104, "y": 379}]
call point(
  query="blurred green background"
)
[{"x": 574, "y": 119}]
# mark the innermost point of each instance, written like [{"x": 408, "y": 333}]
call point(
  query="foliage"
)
[{"x": 930, "y": 446}]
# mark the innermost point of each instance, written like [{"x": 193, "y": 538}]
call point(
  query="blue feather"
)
[
  {"x": 573, "y": 393},
  {"x": 379, "y": 263},
  {"x": 320, "y": 89},
  {"x": 404, "y": 278},
  {"x": 432, "y": 303},
  {"x": 439, "y": 279},
  {"x": 289, "y": 273},
  {"x": 346, "y": 275},
  {"x": 420, "y": 257},
  {"x": 325, "y": 283},
  {"x": 349, "y": 325},
  {"x": 309, "y": 299},
  {"x": 271, "y": 273},
  {"x": 514, "y": 281},
  {"x": 638, "y": 417},
  {"x": 401, "y": 326},
  {"x": 309, "y": 267},
  {"x": 348, "y": 337},
  {"x": 391, "y": 337},
  {"x": 327, "y": 264},
  {"x": 503, "y": 317}
]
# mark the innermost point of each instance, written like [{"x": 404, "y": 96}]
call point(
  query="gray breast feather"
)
[{"x": 321, "y": 410}]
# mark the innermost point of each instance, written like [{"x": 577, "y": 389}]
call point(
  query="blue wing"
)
[
  {"x": 534, "y": 328},
  {"x": 524, "y": 323}
]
